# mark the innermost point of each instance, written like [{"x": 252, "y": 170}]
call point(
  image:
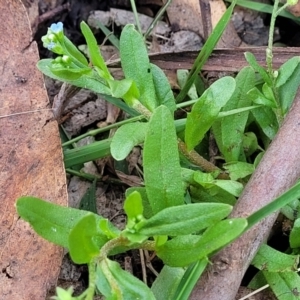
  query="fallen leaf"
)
[{"x": 30, "y": 161}]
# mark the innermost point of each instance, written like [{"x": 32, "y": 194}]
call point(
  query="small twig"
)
[
  {"x": 144, "y": 273},
  {"x": 48, "y": 15},
  {"x": 157, "y": 17},
  {"x": 255, "y": 292},
  {"x": 149, "y": 264},
  {"x": 24, "y": 112},
  {"x": 53, "y": 12}
]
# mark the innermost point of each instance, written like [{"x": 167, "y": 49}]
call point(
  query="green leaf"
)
[
  {"x": 221, "y": 234},
  {"x": 51, "y": 221},
  {"x": 88, "y": 201},
  {"x": 286, "y": 71},
  {"x": 267, "y": 120},
  {"x": 295, "y": 235},
  {"x": 205, "y": 111},
  {"x": 186, "y": 249},
  {"x": 146, "y": 205},
  {"x": 239, "y": 169},
  {"x": 125, "y": 89},
  {"x": 288, "y": 82},
  {"x": 71, "y": 50},
  {"x": 259, "y": 98},
  {"x": 211, "y": 194},
  {"x": 257, "y": 281},
  {"x": 163, "y": 91},
  {"x": 206, "y": 180},
  {"x": 162, "y": 171},
  {"x": 126, "y": 137},
  {"x": 250, "y": 58},
  {"x": 136, "y": 65},
  {"x": 94, "y": 51},
  {"x": 165, "y": 284},
  {"x": 115, "y": 283},
  {"x": 184, "y": 219},
  {"x": 291, "y": 210},
  {"x": 250, "y": 143},
  {"x": 182, "y": 76},
  {"x": 85, "y": 240},
  {"x": 229, "y": 131},
  {"x": 84, "y": 81},
  {"x": 133, "y": 208},
  {"x": 271, "y": 260},
  {"x": 179, "y": 251},
  {"x": 69, "y": 74},
  {"x": 284, "y": 285}
]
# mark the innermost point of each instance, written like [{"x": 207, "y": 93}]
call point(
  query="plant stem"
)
[
  {"x": 100, "y": 130},
  {"x": 92, "y": 280},
  {"x": 200, "y": 161},
  {"x": 269, "y": 50}
]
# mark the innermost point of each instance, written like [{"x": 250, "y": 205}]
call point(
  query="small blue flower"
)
[
  {"x": 57, "y": 28},
  {"x": 51, "y": 45}
]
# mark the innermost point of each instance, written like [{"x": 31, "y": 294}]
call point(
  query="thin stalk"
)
[
  {"x": 92, "y": 280},
  {"x": 156, "y": 19},
  {"x": 136, "y": 17},
  {"x": 104, "y": 129}
]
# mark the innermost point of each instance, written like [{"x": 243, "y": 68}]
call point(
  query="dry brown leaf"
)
[{"x": 30, "y": 161}]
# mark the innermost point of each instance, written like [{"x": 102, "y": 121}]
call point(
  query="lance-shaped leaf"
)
[
  {"x": 136, "y": 65},
  {"x": 115, "y": 283},
  {"x": 163, "y": 89},
  {"x": 51, "y": 221},
  {"x": 184, "y": 219},
  {"x": 94, "y": 51},
  {"x": 288, "y": 81},
  {"x": 205, "y": 111},
  {"x": 250, "y": 58},
  {"x": 162, "y": 172},
  {"x": 285, "y": 285},
  {"x": 271, "y": 260},
  {"x": 84, "y": 81},
  {"x": 229, "y": 131},
  {"x": 71, "y": 50},
  {"x": 267, "y": 120},
  {"x": 183, "y": 250}
]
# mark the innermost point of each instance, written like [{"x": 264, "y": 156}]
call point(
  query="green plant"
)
[{"x": 181, "y": 211}]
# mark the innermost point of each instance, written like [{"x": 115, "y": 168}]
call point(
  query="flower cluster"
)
[{"x": 54, "y": 38}]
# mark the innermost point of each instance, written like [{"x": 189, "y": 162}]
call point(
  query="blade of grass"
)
[
  {"x": 73, "y": 157},
  {"x": 292, "y": 194},
  {"x": 109, "y": 34},
  {"x": 189, "y": 280},
  {"x": 206, "y": 51}
]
